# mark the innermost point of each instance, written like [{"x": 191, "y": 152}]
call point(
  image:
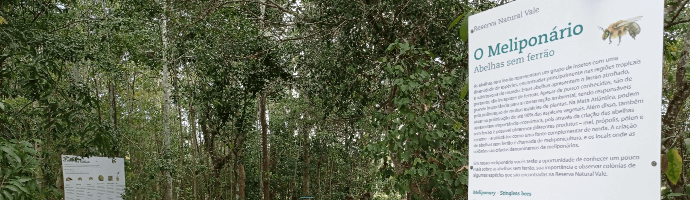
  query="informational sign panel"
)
[
  {"x": 565, "y": 100},
  {"x": 93, "y": 178}
]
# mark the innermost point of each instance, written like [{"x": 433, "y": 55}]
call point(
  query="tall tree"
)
[
  {"x": 166, "y": 103},
  {"x": 264, "y": 143}
]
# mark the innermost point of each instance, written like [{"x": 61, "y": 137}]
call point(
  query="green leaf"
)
[
  {"x": 675, "y": 194},
  {"x": 21, "y": 180},
  {"x": 7, "y": 195},
  {"x": 462, "y": 179},
  {"x": 11, "y": 153},
  {"x": 391, "y": 46},
  {"x": 3, "y": 20},
  {"x": 675, "y": 166},
  {"x": 464, "y": 91},
  {"x": 422, "y": 172},
  {"x": 30, "y": 150},
  {"x": 452, "y": 24},
  {"x": 20, "y": 186},
  {"x": 464, "y": 28},
  {"x": 457, "y": 126},
  {"x": 404, "y": 47},
  {"x": 12, "y": 187}
]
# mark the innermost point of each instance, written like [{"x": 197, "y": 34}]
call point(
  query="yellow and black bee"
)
[{"x": 620, "y": 28}]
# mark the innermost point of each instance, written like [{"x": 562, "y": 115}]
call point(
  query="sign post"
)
[
  {"x": 93, "y": 178},
  {"x": 565, "y": 100}
]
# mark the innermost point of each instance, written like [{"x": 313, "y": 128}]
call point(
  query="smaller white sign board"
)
[{"x": 93, "y": 178}]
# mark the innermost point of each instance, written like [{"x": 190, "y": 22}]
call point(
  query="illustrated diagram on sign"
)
[{"x": 620, "y": 28}]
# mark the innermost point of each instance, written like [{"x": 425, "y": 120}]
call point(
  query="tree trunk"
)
[
  {"x": 166, "y": 96},
  {"x": 131, "y": 103},
  {"x": 113, "y": 104},
  {"x": 318, "y": 168},
  {"x": 264, "y": 141},
  {"x": 241, "y": 180},
  {"x": 98, "y": 99},
  {"x": 183, "y": 138},
  {"x": 305, "y": 169},
  {"x": 192, "y": 125}
]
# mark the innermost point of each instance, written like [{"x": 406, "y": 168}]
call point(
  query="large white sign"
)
[
  {"x": 565, "y": 100},
  {"x": 93, "y": 178}
]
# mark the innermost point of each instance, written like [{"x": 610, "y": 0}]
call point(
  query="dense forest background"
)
[{"x": 262, "y": 99}]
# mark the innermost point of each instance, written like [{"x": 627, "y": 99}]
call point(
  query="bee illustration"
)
[{"x": 620, "y": 28}]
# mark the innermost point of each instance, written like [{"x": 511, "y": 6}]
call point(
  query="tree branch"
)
[
  {"x": 75, "y": 22},
  {"x": 670, "y": 24},
  {"x": 678, "y": 10}
]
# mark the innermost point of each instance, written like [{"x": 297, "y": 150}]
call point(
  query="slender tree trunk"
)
[
  {"x": 195, "y": 150},
  {"x": 318, "y": 167},
  {"x": 98, "y": 99},
  {"x": 305, "y": 169},
  {"x": 264, "y": 141},
  {"x": 131, "y": 103},
  {"x": 192, "y": 124},
  {"x": 113, "y": 104},
  {"x": 233, "y": 177},
  {"x": 166, "y": 96},
  {"x": 241, "y": 180},
  {"x": 183, "y": 137},
  {"x": 330, "y": 177}
]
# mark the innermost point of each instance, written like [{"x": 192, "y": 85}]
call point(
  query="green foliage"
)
[
  {"x": 18, "y": 165},
  {"x": 423, "y": 142}
]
